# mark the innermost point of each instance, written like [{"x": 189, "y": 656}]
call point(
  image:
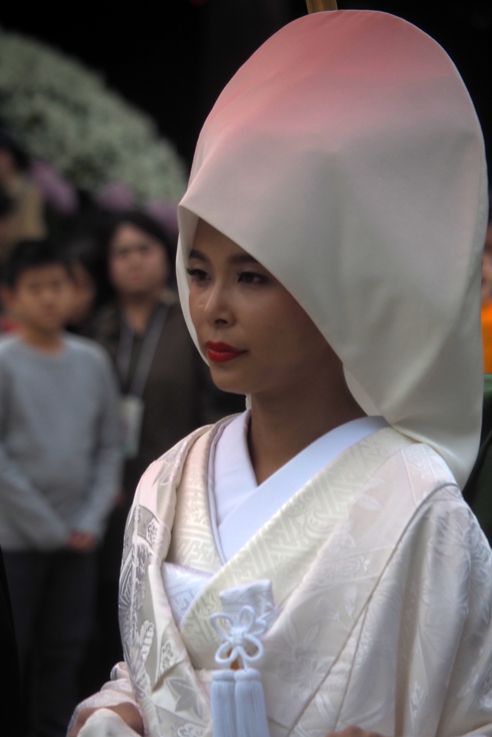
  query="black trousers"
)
[
  {"x": 52, "y": 598},
  {"x": 10, "y": 707}
]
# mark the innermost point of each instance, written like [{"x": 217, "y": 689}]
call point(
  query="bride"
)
[{"x": 310, "y": 564}]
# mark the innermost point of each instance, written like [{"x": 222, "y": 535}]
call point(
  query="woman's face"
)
[
  {"x": 138, "y": 263},
  {"x": 255, "y": 335}
]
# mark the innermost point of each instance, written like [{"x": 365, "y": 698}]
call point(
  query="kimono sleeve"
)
[
  {"x": 420, "y": 664},
  {"x": 118, "y": 690},
  {"x": 468, "y": 706}
]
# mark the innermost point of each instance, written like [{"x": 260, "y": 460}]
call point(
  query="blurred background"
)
[
  {"x": 171, "y": 59},
  {"x": 108, "y": 106}
]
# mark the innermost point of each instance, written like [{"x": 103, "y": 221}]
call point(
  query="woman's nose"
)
[
  {"x": 134, "y": 257},
  {"x": 217, "y": 305}
]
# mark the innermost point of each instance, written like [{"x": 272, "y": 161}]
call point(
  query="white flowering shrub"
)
[{"x": 65, "y": 114}]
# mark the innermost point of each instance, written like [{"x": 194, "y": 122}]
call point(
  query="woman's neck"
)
[
  {"x": 281, "y": 426},
  {"x": 138, "y": 310}
]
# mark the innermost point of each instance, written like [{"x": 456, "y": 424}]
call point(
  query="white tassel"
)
[
  {"x": 223, "y": 704},
  {"x": 251, "y": 716},
  {"x": 238, "y": 700}
]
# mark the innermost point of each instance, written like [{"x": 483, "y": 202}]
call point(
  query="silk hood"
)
[{"x": 346, "y": 156}]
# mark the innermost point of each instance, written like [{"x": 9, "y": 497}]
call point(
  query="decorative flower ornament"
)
[{"x": 240, "y": 635}]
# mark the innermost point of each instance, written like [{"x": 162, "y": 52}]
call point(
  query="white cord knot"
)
[
  {"x": 240, "y": 635},
  {"x": 248, "y": 611}
]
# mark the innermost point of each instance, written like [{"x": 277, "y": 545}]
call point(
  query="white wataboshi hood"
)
[{"x": 345, "y": 155}]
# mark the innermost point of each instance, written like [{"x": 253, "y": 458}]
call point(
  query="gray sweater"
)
[{"x": 60, "y": 447}]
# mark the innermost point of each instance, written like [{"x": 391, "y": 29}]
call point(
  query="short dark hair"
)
[
  {"x": 31, "y": 254},
  {"x": 7, "y": 204},
  {"x": 147, "y": 225},
  {"x": 10, "y": 144}
]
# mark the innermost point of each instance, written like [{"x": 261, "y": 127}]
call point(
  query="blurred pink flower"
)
[
  {"x": 56, "y": 191},
  {"x": 165, "y": 213},
  {"x": 116, "y": 197}
]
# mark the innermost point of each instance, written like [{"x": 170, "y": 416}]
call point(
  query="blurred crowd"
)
[{"x": 98, "y": 377}]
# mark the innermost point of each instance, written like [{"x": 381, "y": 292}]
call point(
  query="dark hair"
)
[
  {"x": 31, "y": 254},
  {"x": 8, "y": 143},
  {"x": 145, "y": 223},
  {"x": 7, "y": 203},
  {"x": 84, "y": 250}
]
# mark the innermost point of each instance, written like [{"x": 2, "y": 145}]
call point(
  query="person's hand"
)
[
  {"x": 126, "y": 711},
  {"x": 353, "y": 731},
  {"x": 81, "y": 542}
]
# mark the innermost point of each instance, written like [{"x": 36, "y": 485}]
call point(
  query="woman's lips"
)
[{"x": 221, "y": 352}]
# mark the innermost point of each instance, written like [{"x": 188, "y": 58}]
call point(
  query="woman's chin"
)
[{"x": 228, "y": 384}]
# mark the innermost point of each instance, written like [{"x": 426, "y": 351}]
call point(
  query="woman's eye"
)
[
  {"x": 197, "y": 274},
  {"x": 252, "y": 277}
]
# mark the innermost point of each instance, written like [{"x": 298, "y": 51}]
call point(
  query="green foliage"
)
[{"x": 64, "y": 114}]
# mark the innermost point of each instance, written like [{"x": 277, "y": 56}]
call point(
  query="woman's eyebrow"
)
[
  {"x": 242, "y": 258},
  {"x": 195, "y": 253},
  {"x": 237, "y": 258}
]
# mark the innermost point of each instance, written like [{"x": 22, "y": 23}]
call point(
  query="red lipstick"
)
[{"x": 221, "y": 352}]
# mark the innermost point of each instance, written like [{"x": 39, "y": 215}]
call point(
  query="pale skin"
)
[{"x": 293, "y": 378}]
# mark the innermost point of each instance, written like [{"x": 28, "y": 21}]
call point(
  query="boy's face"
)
[{"x": 41, "y": 299}]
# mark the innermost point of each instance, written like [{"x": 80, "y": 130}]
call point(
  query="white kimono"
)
[
  {"x": 346, "y": 157},
  {"x": 382, "y": 586}
]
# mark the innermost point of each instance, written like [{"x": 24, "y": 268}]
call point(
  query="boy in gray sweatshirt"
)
[{"x": 60, "y": 455}]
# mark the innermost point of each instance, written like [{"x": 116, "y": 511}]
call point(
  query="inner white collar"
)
[{"x": 240, "y": 505}]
